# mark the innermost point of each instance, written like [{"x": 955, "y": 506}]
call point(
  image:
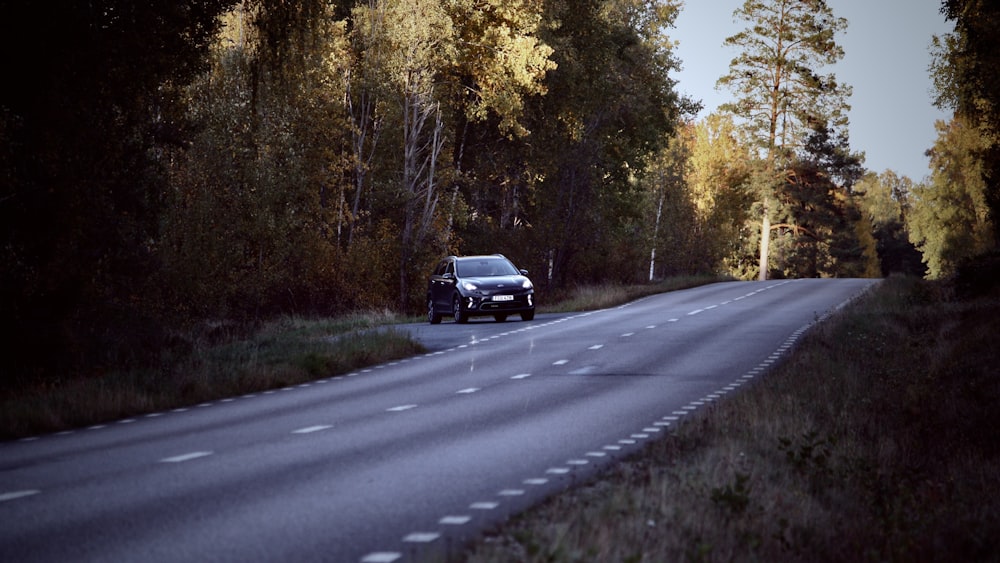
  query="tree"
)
[
  {"x": 675, "y": 241},
  {"x": 84, "y": 113},
  {"x": 885, "y": 201},
  {"x": 966, "y": 80},
  {"x": 719, "y": 185},
  {"x": 610, "y": 105},
  {"x": 950, "y": 220},
  {"x": 780, "y": 96},
  {"x": 250, "y": 218}
]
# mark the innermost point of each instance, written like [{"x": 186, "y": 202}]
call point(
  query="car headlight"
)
[
  {"x": 469, "y": 286},
  {"x": 526, "y": 284}
]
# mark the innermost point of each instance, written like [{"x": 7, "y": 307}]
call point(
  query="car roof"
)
[{"x": 479, "y": 257}]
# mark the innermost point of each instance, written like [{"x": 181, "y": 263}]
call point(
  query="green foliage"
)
[
  {"x": 733, "y": 497},
  {"x": 885, "y": 201},
  {"x": 781, "y": 99},
  {"x": 950, "y": 219},
  {"x": 964, "y": 73}
]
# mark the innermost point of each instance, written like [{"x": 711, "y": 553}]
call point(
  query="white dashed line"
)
[
  {"x": 484, "y": 505},
  {"x": 421, "y": 537},
  {"x": 467, "y": 391},
  {"x": 695, "y": 312},
  {"x": 185, "y": 457},
  {"x": 596, "y": 347},
  {"x": 13, "y": 495},
  {"x": 511, "y": 492},
  {"x": 401, "y": 408},
  {"x": 454, "y": 520},
  {"x": 381, "y": 557},
  {"x": 557, "y": 470},
  {"x": 560, "y": 362},
  {"x": 536, "y": 482},
  {"x": 311, "y": 429},
  {"x": 627, "y": 334},
  {"x": 521, "y": 376}
]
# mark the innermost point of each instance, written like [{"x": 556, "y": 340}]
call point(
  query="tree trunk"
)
[{"x": 765, "y": 242}]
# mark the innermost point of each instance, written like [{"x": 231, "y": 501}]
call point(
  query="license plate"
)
[{"x": 503, "y": 297}]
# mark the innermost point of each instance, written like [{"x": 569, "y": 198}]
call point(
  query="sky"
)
[{"x": 886, "y": 59}]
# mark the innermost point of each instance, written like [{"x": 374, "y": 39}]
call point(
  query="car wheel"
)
[
  {"x": 500, "y": 318},
  {"x": 460, "y": 315},
  {"x": 528, "y": 316},
  {"x": 433, "y": 316}
]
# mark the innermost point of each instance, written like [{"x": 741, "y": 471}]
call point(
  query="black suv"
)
[{"x": 467, "y": 286}]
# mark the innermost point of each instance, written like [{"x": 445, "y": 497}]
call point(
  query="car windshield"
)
[{"x": 485, "y": 267}]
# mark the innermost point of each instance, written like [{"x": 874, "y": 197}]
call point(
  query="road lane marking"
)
[
  {"x": 596, "y": 347},
  {"x": 627, "y": 334},
  {"x": 13, "y": 495},
  {"x": 311, "y": 429},
  {"x": 560, "y": 362},
  {"x": 521, "y": 376},
  {"x": 467, "y": 391},
  {"x": 511, "y": 492},
  {"x": 185, "y": 457},
  {"x": 401, "y": 408},
  {"x": 557, "y": 470},
  {"x": 484, "y": 505},
  {"x": 421, "y": 537},
  {"x": 695, "y": 312},
  {"x": 381, "y": 557},
  {"x": 455, "y": 520},
  {"x": 536, "y": 482},
  {"x": 596, "y": 454},
  {"x": 577, "y": 462}
]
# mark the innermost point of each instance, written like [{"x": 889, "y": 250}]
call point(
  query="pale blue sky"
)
[{"x": 886, "y": 58}]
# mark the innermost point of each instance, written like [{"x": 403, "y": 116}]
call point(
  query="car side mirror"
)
[
  {"x": 449, "y": 276},
  {"x": 523, "y": 272}
]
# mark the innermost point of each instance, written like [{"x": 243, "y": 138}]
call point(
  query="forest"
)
[{"x": 167, "y": 165}]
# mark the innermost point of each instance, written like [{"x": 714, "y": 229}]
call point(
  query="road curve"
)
[{"x": 405, "y": 459}]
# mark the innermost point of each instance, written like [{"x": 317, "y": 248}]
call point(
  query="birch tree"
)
[{"x": 780, "y": 95}]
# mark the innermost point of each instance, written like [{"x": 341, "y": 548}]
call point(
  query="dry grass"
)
[
  {"x": 214, "y": 362},
  {"x": 875, "y": 441}
]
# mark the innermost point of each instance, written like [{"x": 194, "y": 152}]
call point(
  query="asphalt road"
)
[{"x": 404, "y": 460}]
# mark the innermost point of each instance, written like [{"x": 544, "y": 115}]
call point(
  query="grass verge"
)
[
  {"x": 876, "y": 440},
  {"x": 209, "y": 364}
]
